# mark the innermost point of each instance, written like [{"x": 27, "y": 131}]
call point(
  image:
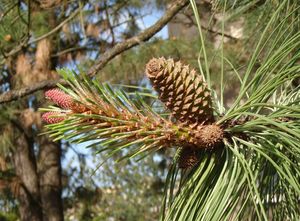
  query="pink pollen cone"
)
[
  {"x": 60, "y": 98},
  {"x": 52, "y": 117}
]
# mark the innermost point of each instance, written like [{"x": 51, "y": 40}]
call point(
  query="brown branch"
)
[
  {"x": 109, "y": 23},
  {"x": 15, "y": 94},
  {"x": 143, "y": 36},
  {"x": 106, "y": 57},
  {"x": 211, "y": 30},
  {"x": 87, "y": 48}
]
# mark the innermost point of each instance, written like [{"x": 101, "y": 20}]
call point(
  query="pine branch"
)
[
  {"x": 256, "y": 175},
  {"x": 91, "y": 111}
]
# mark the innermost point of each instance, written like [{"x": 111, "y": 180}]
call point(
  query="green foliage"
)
[
  {"x": 8, "y": 217},
  {"x": 256, "y": 176},
  {"x": 13, "y": 25},
  {"x": 40, "y": 22},
  {"x": 114, "y": 118}
]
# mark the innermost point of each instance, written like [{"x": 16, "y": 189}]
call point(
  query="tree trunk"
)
[
  {"x": 49, "y": 159},
  {"x": 50, "y": 180},
  {"x": 40, "y": 192},
  {"x": 29, "y": 194}
]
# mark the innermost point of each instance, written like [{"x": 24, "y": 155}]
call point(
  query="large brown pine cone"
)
[{"x": 182, "y": 90}]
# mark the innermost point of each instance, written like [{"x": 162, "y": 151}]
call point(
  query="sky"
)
[{"x": 150, "y": 19}]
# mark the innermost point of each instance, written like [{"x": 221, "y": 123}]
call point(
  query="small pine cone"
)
[
  {"x": 188, "y": 158},
  {"x": 52, "y": 117},
  {"x": 182, "y": 90},
  {"x": 207, "y": 136}
]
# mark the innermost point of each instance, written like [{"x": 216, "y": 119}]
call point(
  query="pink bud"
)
[
  {"x": 60, "y": 98},
  {"x": 52, "y": 117}
]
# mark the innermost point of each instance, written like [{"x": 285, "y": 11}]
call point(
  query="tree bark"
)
[
  {"x": 50, "y": 179},
  {"x": 29, "y": 194},
  {"x": 49, "y": 159}
]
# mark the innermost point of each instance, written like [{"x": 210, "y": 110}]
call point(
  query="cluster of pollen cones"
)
[
  {"x": 64, "y": 101},
  {"x": 184, "y": 93}
]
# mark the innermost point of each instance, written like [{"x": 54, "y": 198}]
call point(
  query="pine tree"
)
[{"x": 244, "y": 159}]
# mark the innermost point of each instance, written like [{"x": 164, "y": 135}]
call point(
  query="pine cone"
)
[
  {"x": 182, "y": 90},
  {"x": 188, "y": 158}
]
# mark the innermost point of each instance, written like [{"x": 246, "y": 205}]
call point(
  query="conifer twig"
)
[{"x": 89, "y": 111}]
